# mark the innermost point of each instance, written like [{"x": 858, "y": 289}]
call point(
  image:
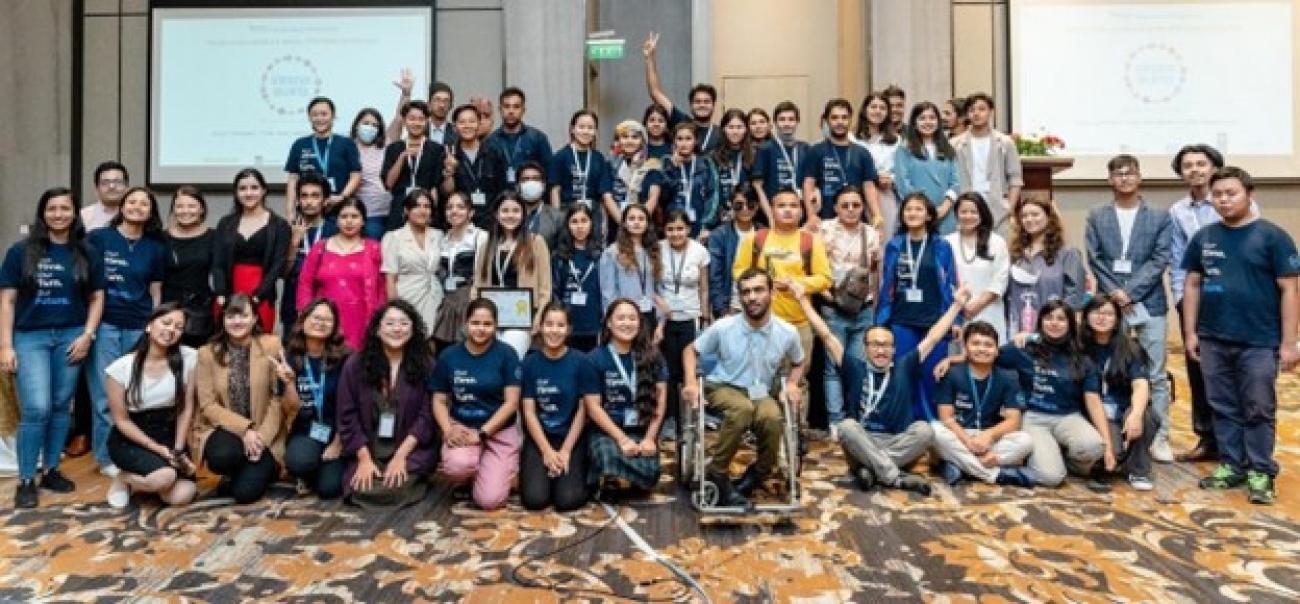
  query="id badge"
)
[
  {"x": 586, "y": 203},
  {"x": 578, "y": 298},
  {"x": 320, "y": 433},
  {"x": 387, "y": 424},
  {"x": 478, "y": 198},
  {"x": 450, "y": 284},
  {"x": 630, "y": 417},
  {"x": 756, "y": 392},
  {"x": 1111, "y": 409},
  {"x": 510, "y": 175},
  {"x": 1123, "y": 265},
  {"x": 915, "y": 296}
]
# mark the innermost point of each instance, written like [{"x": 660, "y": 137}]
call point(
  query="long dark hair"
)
[
  {"x": 336, "y": 348},
  {"x": 627, "y": 246},
  {"x": 175, "y": 361},
  {"x": 931, "y": 214},
  {"x": 417, "y": 358},
  {"x": 985, "y": 228},
  {"x": 523, "y": 257},
  {"x": 1123, "y": 349},
  {"x": 566, "y": 248},
  {"x": 724, "y": 156},
  {"x": 153, "y": 227},
  {"x": 888, "y": 129},
  {"x": 1068, "y": 346},
  {"x": 644, "y": 354},
  {"x": 255, "y": 174},
  {"x": 942, "y": 148},
  {"x": 381, "y": 138},
  {"x": 220, "y": 342},
  {"x": 38, "y": 242}
]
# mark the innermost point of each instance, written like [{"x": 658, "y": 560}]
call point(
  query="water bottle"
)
[{"x": 1028, "y": 312}]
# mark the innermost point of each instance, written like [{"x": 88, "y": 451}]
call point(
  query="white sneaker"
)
[
  {"x": 119, "y": 495},
  {"x": 835, "y": 433},
  {"x": 109, "y": 470},
  {"x": 1160, "y": 450},
  {"x": 1140, "y": 483}
]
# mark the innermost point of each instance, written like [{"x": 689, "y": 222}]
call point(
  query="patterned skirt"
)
[{"x": 606, "y": 460}]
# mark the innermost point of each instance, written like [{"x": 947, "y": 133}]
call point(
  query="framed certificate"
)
[{"x": 514, "y": 306}]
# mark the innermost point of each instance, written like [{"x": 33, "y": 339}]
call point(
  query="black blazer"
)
[
  {"x": 273, "y": 257},
  {"x": 487, "y": 173},
  {"x": 428, "y": 173}
]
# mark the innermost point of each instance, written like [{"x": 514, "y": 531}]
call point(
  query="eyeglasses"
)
[
  {"x": 851, "y": 204},
  {"x": 396, "y": 324},
  {"x": 1122, "y": 175},
  {"x": 112, "y": 182}
]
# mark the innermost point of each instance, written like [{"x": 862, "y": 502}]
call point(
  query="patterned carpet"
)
[{"x": 972, "y": 543}]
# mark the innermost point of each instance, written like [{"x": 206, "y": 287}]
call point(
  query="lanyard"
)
[
  {"x": 629, "y": 381},
  {"x": 793, "y": 163},
  {"x": 414, "y": 164},
  {"x": 323, "y": 158},
  {"x": 470, "y": 164},
  {"x": 842, "y": 163},
  {"x": 708, "y": 135},
  {"x": 688, "y": 186},
  {"x": 677, "y": 267},
  {"x": 502, "y": 266},
  {"x": 874, "y": 394},
  {"x": 914, "y": 260},
  {"x": 585, "y": 170},
  {"x": 317, "y": 386},
  {"x": 735, "y": 172},
  {"x": 573, "y": 270},
  {"x": 308, "y": 242},
  {"x": 979, "y": 399},
  {"x": 512, "y": 153},
  {"x": 1105, "y": 385}
]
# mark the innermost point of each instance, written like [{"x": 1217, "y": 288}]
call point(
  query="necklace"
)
[{"x": 961, "y": 243}]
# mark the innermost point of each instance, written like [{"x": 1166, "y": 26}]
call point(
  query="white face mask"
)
[
  {"x": 531, "y": 190},
  {"x": 367, "y": 133}
]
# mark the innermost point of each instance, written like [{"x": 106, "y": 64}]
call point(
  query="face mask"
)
[
  {"x": 531, "y": 190},
  {"x": 367, "y": 133}
]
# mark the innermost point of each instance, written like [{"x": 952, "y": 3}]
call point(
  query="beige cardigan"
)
[
  {"x": 539, "y": 280},
  {"x": 213, "y": 385},
  {"x": 1004, "y": 171}
]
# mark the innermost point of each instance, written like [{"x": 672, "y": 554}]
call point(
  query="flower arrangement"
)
[{"x": 1039, "y": 144}]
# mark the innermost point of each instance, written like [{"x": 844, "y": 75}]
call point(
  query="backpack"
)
[
  {"x": 805, "y": 250},
  {"x": 854, "y": 289}
]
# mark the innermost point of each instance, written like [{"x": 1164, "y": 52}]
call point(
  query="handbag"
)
[{"x": 853, "y": 291}]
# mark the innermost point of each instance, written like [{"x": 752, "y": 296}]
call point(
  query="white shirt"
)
[
  {"x": 983, "y": 275},
  {"x": 1126, "y": 216},
  {"x": 96, "y": 216},
  {"x": 682, "y": 273},
  {"x": 155, "y": 393},
  {"x": 979, "y": 166}
]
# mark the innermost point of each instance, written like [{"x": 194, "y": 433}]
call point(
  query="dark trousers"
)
[
  {"x": 1241, "y": 382},
  {"x": 81, "y": 404},
  {"x": 249, "y": 480},
  {"x": 677, "y": 336},
  {"x": 537, "y": 489},
  {"x": 302, "y": 458},
  {"x": 1134, "y": 459},
  {"x": 1202, "y": 415}
]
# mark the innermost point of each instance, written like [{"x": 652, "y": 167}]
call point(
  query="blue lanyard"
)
[
  {"x": 628, "y": 380},
  {"x": 317, "y": 386},
  {"x": 323, "y": 158},
  {"x": 975, "y": 394}
]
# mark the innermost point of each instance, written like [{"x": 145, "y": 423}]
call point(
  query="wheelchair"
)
[{"x": 693, "y": 458}]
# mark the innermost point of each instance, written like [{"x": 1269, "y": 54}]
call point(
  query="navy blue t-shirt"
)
[
  {"x": 927, "y": 312},
  {"x": 893, "y": 414},
  {"x": 579, "y": 275},
  {"x": 529, "y": 144},
  {"x": 1048, "y": 387},
  {"x": 832, "y": 167},
  {"x": 707, "y": 138},
  {"x": 618, "y": 398},
  {"x": 771, "y": 167},
  {"x": 338, "y": 159},
  {"x": 731, "y": 173},
  {"x": 1239, "y": 267},
  {"x": 475, "y": 384},
  {"x": 660, "y": 151},
  {"x": 57, "y": 303},
  {"x": 567, "y": 169},
  {"x": 978, "y": 404},
  {"x": 129, "y": 268},
  {"x": 700, "y": 185},
  {"x": 1117, "y": 394},
  {"x": 557, "y": 386},
  {"x": 307, "y": 381}
]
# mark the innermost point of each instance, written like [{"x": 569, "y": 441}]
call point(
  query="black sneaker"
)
[
  {"x": 914, "y": 483},
  {"x": 1016, "y": 476},
  {"x": 749, "y": 481},
  {"x": 27, "y": 495},
  {"x": 727, "y": 496},
  {"x": 57, "y": 482},
  {"x": 865, "y": 479}
]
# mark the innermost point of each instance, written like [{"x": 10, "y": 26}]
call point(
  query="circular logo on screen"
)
[
  {"x": 1155, "y": 73},
  {"x": 287, "y": 83}
]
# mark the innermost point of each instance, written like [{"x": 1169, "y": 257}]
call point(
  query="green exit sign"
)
[{"x": 604, "y": 50}]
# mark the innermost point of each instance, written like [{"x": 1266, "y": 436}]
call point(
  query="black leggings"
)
[
  {"x": 677, "y": 336},
  {"x": 249, "y": 480},
  {"x": 538, "y": 490},
  {"x": 302, "y": 460}
]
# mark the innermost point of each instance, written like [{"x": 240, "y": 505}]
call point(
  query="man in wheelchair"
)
[{"x": 750, "y": 348}]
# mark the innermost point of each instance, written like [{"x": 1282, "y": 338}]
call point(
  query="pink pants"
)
[{"x": 492, "y": 465}]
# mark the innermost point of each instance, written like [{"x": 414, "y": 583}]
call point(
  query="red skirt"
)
[{"x": 246, "y": 278}]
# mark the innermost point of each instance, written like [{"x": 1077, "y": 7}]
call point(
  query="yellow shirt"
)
[{"x": 780, "y": 255}]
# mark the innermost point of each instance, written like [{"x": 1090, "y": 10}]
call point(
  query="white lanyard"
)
[
  {"x": 1105, "y": 386},
  {"x": 708, "y": 135},
  {"x": 677, "y": 267},
  {"x": 735, "y": 172},
  {"x": 307, "y": 242},
  {"x": 841, "y": 163},
  {"x": 975, "y": 395},
  {"x": 502, "y": 266},
  {"x": 793, "y": 163},
  {"x": 585, "y": 170},
  {"x": 1125, "y": 238},
  {"x": 477, "y": 172},
  {"x": 573, "y": 270},
  {"x": 914, "y": 262},
  {"x": 874, "y": 395},
  {"x": 629, "y": 381},
  {"x": 688, "y": 182},
  {"x": 414, "y": 164}
]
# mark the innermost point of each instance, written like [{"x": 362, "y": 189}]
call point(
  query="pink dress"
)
[{"x": 352, "y": 281}]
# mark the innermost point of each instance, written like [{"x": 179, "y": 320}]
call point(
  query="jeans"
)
[
  {"x": 849, "y": 331},
  {"x": 111, "y": 343},
  {"x": 1082, "y": 443},
  {"x": 1241, "y": 382},
  {"x": 375, "y": 227},
  {"x": 1151, "y": 336},
  {"x": 46, "y": 383},
  {"x": 883, "y": 453}
]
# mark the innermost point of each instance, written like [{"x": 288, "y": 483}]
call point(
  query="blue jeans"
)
[
  {"x": 1241, "y": 383},
  {"x": 46, "y": 383},
  {"x": 849, "y": 331},
  {"x": 375, "y": 227},
  {"x": 1151, "y": 337},
  {"x": 111, "y": 343}
]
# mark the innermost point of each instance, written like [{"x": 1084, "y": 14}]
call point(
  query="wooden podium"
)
[{"x": 1038, "y": 171}]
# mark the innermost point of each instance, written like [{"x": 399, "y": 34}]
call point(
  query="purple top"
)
[{"x": 358, "y": 420}]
